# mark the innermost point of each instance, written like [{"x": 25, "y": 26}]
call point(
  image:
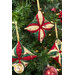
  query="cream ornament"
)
[
  {"x": 18, "y": 68},
  {"x": 40, "y": 25}
]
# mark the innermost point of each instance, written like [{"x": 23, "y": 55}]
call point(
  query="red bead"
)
[{"x": 60, "y": 51}]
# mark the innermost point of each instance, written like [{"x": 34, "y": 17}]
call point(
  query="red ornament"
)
[
  {"x": 56, "y": 51},
  {"x": 21, "y": 55},
  {"x": 53, "y": 9},
  {"x": 50, "y": 70}
]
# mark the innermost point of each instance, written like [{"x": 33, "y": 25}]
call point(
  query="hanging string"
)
[
  {"x": 38, "y": 5},
  {"x": 56, "y": 31},
  {"x": 16, "y": 30}
]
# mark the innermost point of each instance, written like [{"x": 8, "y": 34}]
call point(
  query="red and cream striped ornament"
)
[
  {"x": 56, "y": 51},
  {"x": 21, "y": 55},
  {"x": 40, "y": 26}
]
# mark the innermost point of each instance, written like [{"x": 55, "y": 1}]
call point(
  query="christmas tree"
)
[{"x": 24, "y": 12}]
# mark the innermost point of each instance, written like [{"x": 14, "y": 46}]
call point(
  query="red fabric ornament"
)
[
  {"x": 56, "y": 51},
  {"x": 21, "y": 54},
  {"x": 53, "y": 9},
  {"x": 50, "y": 70},
  {"x": 40, "y": 26}
]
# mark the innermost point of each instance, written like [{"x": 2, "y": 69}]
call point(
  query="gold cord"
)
[
  {"x": 38, "y": 5},
  {"x": 16, "y": 30},
  {"x": 56, "y": 31}
]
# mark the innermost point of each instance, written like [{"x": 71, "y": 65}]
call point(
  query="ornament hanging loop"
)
[
  {"x": 38, "y": 5},
  {"x": 56, "y": 31},
  {"x": 16, "y": 30}
]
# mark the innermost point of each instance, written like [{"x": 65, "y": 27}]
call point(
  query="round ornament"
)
[
  {"x": 50, "y": 70},
  {"x": 19, "y": 68}
]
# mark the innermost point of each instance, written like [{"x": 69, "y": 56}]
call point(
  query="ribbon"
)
[
  {"x": 17, "y": 33},
  {"x": 38, "y": 5},
  {"x": 56, "y": 30}
]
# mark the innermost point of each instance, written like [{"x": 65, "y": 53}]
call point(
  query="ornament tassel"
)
[{"x": 38, "y": 5}]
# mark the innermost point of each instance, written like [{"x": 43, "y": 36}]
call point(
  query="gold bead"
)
[
  {"x": 18, "y": 68},
  {"x": 36, "y": 51},
  {"x": 52, "y": 22},
  {"x": 49, "y": 34},
  {"x": 58, "y": 69},
  {"x": 43, "y": 12}
]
